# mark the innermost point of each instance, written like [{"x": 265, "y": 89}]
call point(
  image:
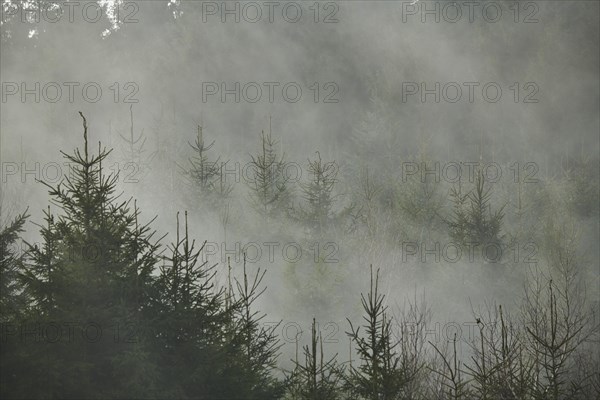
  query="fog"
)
[{"x": 401, "y": 98}]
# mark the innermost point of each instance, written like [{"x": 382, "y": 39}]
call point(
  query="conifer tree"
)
[
  {"x": 207, "y": 175},
  {"x": 93, "y": 269},
  {"x": 316, "y": 378},
  {"x": 135, "y": 162},
  {"x": 254, "y": 347},
  {"x": 189, "y": 315},
  {"x": 208, "y": 337},
  {"x": 13, "y": 308},
  {"x": 203, "y": 171},
  {"x": 318, "y": 193},
  {"x": 379, "y": 374},
  {"x": 419, "y": 194},
  {"x": 12, "y": 300},
  {"x": 473, "y": 221},
  {"x": 269, "y": 184}
]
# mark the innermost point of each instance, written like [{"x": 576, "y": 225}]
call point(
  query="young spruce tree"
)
[
  {"x": 472, "y": 220},
  {"x": 269, "y": 184},
  {"x": 316, "y": 378},
  {"x": 207, "y": 175},
  {"x": 379, "y": 374},
  {"x": 90, "y": 278},
  {"x": 318, "y": 193}
]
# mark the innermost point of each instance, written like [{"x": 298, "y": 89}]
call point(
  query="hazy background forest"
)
[{"x": 300, "y": 200}]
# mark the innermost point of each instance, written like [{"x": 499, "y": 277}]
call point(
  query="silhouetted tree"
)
[
  {"x": 12, "y": 300},
  {"x": 316, "y": 378},
  {"x": 93, "y": 269},
  {"x": 189, "y": 314},
  {"x": 379, "y": 375}
]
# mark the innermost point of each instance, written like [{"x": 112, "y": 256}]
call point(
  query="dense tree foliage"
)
[{"x": 98, "y": 316}]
